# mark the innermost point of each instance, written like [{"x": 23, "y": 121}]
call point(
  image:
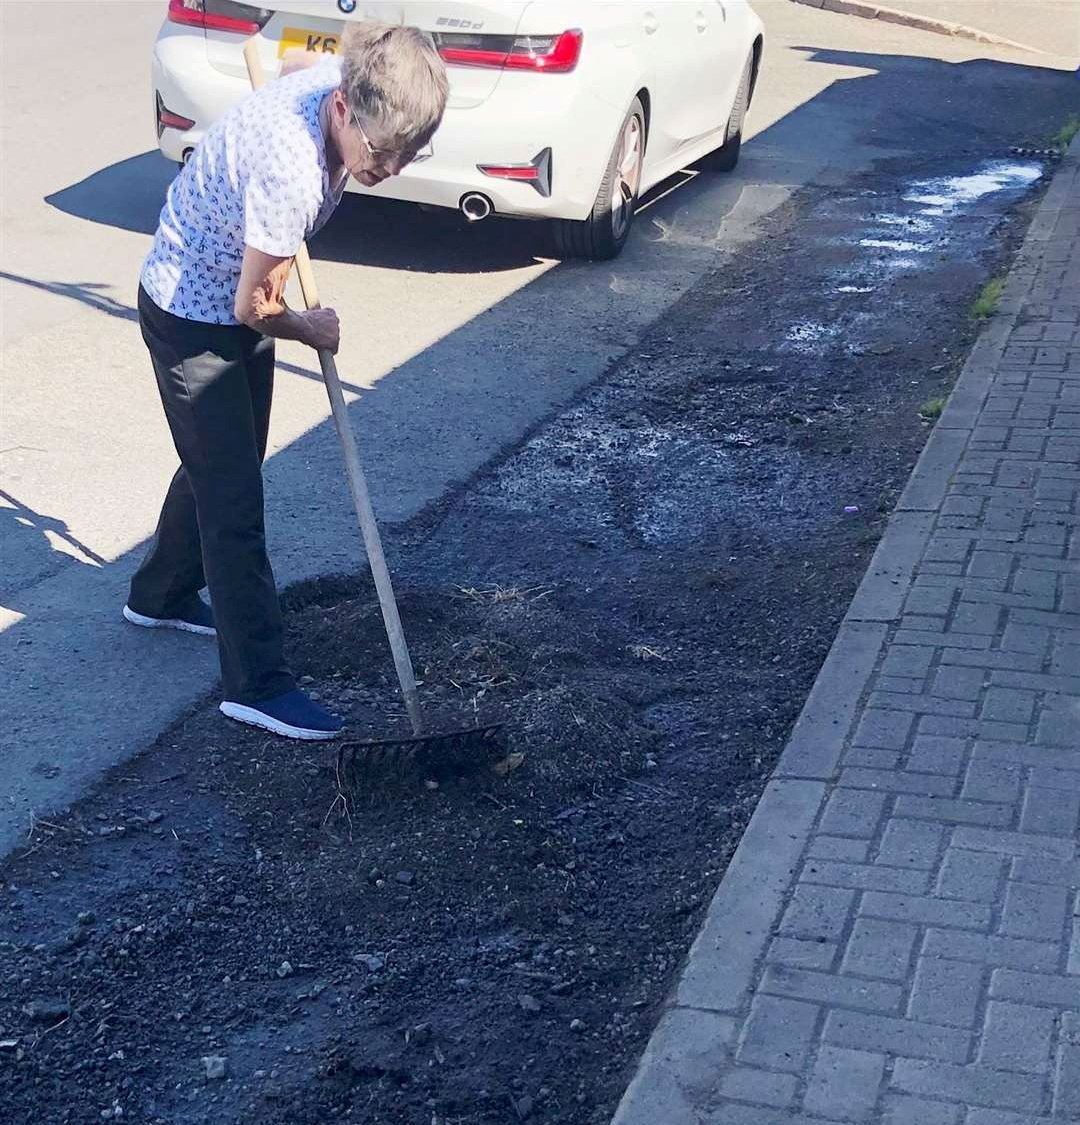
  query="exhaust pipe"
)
[{"x": 475, "y": 206}]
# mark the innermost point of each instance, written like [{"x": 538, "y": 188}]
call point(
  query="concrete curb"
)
[
  {"x": 687, "y": 1049},
  {"x": 870, "y": 11}
]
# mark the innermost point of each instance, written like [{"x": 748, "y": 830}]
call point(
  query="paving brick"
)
[
  {"x": 839, "y": 847},
  {"x": 802, "y": 954},
  {"x": 992, "y": 781},
  {"x": 923, "y": 704},
  {"x": 937, "y": 754},
  {"x": 844, "y": 1084},
  {"x": 1034, "y": 911},
  {"x": 1017, "y": 1037},
  {"x": 862, "y": 757},
  {"x": 972, "y": 876},
  {"x": 972, "y": 728},
  {"x": 851, "y": 812},
  {"x": 907, "y": 660},
  {"x": 901, "y": 1109},
  {"x": 990, "y": 564},
  {"x": 1060, "y": 721},
  {"x": 933, "y": 601},
  {"x": 1066, "y": 656},
  {"x": 832, "y": 990},
  {"x": 1035, "y": 988},
  {"x": 1056, "y": 872},
  {"x": 925, "y": 910},
  {"x": 778, "y": 1034},
  {"x": 897, "y": 781},
  {"x": 865, "y": 876},
  {"x": 1026, "y": 753},
  {"x": 991, "y": 949},
  {"x": 879, "y": 948},
  {"x": 978, "y": 1085},
  {"x": 976, "y": 617},
  {"x": 733, "y": 1113},
  {"x": 953, "y": 569},
  {"x": 912, "y": 843},
  {"x": 865, "y": 1031},
  {"x": 762, "y": 1086},
  {"x": 943, "y": 548},
  {"x": 1050, "y": 812},
  {"x": 948, "y": 811},
  {"x": 957, "y": 682},
  {"x": 1064, "y": 684},
  {"x": 1013, "y": 843},
  {"x": 1026, "y": 638},
  {"x": 946, "y": 992},
  {"x": 954, "y": 505},
  {"x": 1041, "y": 583},
  {"x": 1050, "y": 777},
  {"x": 1008, "y": 705},
  {"x": 1067, "y": 1075},
  {"x": 817, "y": 913},
  {"x": 1005, "y": 1117},
  {"x": 883, "y": 730},
  {"x": 1073, "y": 965},
  {"x": 993, "y": 659},
  {"x": 939, "y": 638}
]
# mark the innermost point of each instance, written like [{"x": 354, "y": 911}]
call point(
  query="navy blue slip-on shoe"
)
[
  {"x": 292, "y": 715},
  {"x": 194, "y": 617}
]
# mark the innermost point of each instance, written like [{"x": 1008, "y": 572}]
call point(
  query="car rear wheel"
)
[
  {"x": 726, "y": 156},
  {"x": 604, "y": 233}
]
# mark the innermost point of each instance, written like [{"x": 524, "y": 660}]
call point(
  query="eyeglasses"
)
[{"x": 384, "y": 155}]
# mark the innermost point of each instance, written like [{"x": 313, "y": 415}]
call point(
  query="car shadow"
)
[
  {"x": 364, "y": 231},
  {"x": 127, "y": 195}
]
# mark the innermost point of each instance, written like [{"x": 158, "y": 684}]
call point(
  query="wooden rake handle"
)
[{"x": 354, "y": 471}]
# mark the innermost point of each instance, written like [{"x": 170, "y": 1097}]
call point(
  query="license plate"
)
[{"x": 300, "y": 38}]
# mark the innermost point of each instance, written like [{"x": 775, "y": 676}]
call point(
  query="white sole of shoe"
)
[
  {"x": 167, "y": 623},
  {"x": 255, "y": 718}
]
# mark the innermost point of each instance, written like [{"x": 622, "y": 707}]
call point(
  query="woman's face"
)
[{"x": 367, "y": 163}]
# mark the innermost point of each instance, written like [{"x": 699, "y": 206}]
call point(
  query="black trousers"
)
[{"x": 216, "y": 383}]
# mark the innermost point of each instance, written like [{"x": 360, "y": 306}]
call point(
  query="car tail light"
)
[
  {"x": 166, "y": 119},
  {"x": 219, "y": 15},
  {"x": 537, "y": 172},
  {"x": 552, "y": 54}
]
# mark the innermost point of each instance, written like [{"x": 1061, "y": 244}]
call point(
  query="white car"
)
[{"x": 559, "y": 111}]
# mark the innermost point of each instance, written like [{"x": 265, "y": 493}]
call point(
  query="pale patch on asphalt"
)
[{"x": 945, "y": 195}]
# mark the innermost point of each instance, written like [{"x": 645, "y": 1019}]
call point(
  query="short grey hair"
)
[{"x": 393, "y": 77}]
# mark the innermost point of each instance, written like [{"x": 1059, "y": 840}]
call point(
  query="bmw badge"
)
[{"x": 347, "y": 6}]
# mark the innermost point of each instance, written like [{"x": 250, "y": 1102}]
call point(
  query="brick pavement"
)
[{"x": 897, "y": 939}]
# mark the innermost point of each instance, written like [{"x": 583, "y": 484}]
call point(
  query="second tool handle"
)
[{"x": 354, "y": 471}]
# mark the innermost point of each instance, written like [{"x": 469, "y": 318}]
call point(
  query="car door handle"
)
[{"x": 651, "y": 23}]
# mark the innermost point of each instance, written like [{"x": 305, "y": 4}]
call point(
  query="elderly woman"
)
[{"x": 266, "y": 176}]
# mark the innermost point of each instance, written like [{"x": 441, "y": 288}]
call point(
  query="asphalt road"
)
[{"x": 455, "y": 341}]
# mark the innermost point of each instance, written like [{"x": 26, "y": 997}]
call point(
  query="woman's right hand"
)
[{"x": 322, "y": 329}]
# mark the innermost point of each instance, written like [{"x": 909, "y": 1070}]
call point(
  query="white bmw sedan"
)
[{"x": 565, "y": 112}]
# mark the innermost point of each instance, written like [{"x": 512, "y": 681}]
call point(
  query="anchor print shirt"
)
[{"x": 258, "y": 178}]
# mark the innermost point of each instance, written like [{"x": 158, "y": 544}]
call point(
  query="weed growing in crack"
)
[
  {"x": 1063, "y": 137},
  {"x": 930, "y": 411},
  {"x": 986, "y": 303}
]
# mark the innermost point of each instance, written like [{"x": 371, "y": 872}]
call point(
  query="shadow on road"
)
[{"x": 29, "y": 551}]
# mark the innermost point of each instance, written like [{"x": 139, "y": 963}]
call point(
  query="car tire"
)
[
  {"x": 726, "y": 157},
  {"x": 604, "y": 233}
]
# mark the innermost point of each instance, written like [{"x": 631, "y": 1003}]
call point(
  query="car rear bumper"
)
[{"x": 483, "y": 134}]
